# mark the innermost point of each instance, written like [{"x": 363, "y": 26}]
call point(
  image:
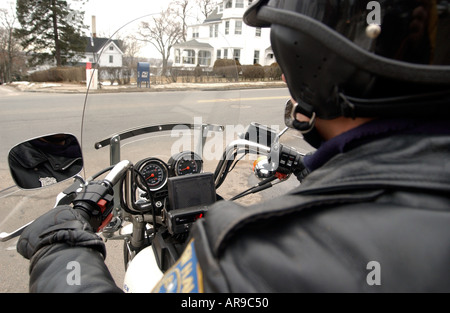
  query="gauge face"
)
[
  {"x": 155, "y": 174},
  {"x": 188, "y": 163}
]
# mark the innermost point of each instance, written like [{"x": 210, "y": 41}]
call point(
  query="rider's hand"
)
[
  {"x": 95, "y": 201},
  {"x": 62, "y": 225}
]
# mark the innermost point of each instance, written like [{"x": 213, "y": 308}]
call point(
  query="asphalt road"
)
[{"x": 29, "y": 115}]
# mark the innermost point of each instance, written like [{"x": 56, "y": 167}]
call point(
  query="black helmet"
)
[{"x": 359, "y": 58}]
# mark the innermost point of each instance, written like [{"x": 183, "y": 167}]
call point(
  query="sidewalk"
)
[{"x": 81, "y": 88}]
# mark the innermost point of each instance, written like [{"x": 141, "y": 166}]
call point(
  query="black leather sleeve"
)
[
  {"x": 65, "y": 254},
  {"x": 64, "y": 269}
]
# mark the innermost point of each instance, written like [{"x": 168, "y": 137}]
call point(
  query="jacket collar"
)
[
  {"x": 406, "y": 153},
  {"x": 370, "y": 131}
]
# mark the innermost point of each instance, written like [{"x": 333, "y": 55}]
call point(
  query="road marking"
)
[{"x": 242, "y": 99}]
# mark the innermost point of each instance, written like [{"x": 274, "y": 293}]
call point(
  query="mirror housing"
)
[
  {"x": 260, "y": 134},
  {"x": 45, "y": 161},
  {"x": 289, "y": 114}
]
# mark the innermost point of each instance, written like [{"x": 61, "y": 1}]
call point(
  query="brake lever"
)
[
  {"x": 8, "y": 236},
  {"x": 69, "y": 194}
]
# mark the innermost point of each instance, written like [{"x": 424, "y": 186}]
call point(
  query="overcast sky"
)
[{"x": 112, "y": 14}]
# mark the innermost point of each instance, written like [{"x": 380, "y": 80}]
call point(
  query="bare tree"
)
[
  {"x": 181, "y": 9},
  {"x": 130, "y": 47},
  {"x": 12, "y": 60},
  {"x": 206, "y": 7},
  {"x": 163, "y": 32}
]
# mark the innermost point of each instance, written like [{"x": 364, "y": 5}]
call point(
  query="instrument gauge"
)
[
  {"x": 186, "y": 163},
  {"x": 155, "y": 174}
]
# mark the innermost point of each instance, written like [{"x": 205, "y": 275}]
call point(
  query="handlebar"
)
[{"x": 118, "y": 172}]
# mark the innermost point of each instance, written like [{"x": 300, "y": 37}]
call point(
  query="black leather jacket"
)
[
  {"x": 384, "y": 207},
  {"x": 374, "y": 218}
]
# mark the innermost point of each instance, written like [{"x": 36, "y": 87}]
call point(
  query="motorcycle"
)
[{"x": 161, "y": 177}]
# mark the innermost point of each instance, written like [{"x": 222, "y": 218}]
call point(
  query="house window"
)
[
  {"x": 219, "y": 54},
  {"x": 228, "y": 4},
  {"x": 216, "y": 30},
  {"x": 211, "y": 31},
  {"x": 177, "y": 56},
  {"x": 111, "y": 48},
  {"x": 189, "y": 57},
  {"x": 225, "y": 53},
  {"x": 111, "y": 59},
  {"x": 258, "y": 32},
  {"x": 237, "y": 54},
  {"x": 204, "y": 58},
  {"x": 195, "y": 33},
  {"x": 239, "y": 3},
  {"x": 256, "y": 57},
  {"x": 238, "y": 28},
  {"x": 227, "y": 27}
]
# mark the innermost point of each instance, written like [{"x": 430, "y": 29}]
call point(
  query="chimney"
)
[{"x": 94, "y": 27}]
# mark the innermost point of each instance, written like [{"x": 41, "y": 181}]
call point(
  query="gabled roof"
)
[
  {"x": 99, "y": 43},
  {"x": 194, "y": 44},
  {"x": 214, "y": 16}
]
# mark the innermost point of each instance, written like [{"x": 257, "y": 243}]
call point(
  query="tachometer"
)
[
  {"x": 154, "y": 172},
  {"x": 186, "y": 163}
]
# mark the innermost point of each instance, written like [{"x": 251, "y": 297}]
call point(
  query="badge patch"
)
[
  {"x": 185, "y": 276},
  {"x": 47, "y": 181}
]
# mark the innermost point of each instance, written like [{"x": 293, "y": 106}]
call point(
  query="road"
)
[{"x": 28, "y": 115}]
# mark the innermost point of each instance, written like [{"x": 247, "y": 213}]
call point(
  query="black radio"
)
[{"x": 189, "y": 197}]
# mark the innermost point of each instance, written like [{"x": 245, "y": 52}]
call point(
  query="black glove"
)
[
  {"x": 301, "y": 174},
  {"x": 62, "y": 224},
  {"x": 96, "y": 201}
]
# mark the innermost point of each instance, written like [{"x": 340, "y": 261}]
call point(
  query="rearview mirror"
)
[{"x": 45, "y": 161}]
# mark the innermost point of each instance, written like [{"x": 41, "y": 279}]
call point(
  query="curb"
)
[{"x": 72, "y": 89}]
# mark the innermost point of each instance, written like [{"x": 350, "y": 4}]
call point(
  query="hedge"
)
[{"x": 60, "y": 74}]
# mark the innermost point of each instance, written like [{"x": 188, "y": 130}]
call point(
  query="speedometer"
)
[
  {"x": 186, "y": 163},
  {"x": 154, "y": 173}
]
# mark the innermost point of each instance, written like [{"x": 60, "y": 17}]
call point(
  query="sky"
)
[{"x": 112, "y": 14}]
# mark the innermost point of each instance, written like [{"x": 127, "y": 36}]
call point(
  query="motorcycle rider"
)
[{"x": 371, "y": 84}]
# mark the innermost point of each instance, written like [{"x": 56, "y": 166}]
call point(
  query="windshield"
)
[{"x": 198, "y": 101}]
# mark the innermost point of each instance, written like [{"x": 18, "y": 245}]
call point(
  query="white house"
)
[
  {"x": 99, "y": 50},
  {"x": 224, "y": 35}
]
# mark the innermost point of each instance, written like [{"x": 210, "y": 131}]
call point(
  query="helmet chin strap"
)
[{"x": 308, "y": 129}]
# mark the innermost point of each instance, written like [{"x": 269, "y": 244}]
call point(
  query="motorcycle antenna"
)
[{"x": 110, "y": 39}]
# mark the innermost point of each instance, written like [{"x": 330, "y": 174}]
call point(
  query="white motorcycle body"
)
[{"x": 142, "y": 273}]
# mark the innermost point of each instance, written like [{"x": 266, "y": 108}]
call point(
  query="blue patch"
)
[{"x": 185, "y": 276}]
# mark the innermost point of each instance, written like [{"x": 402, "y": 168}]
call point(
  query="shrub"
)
[
  {"x": 60, "y": 74},
  {"x": 227, "y": 68},
  {"x": 253, "y": 72},
  {"x": 273, "y": 72}
]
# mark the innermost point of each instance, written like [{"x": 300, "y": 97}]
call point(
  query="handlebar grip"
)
[{"x": 117, "y": 172}]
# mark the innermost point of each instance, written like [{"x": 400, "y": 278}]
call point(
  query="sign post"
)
[{"x": 91, "y": 76}]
